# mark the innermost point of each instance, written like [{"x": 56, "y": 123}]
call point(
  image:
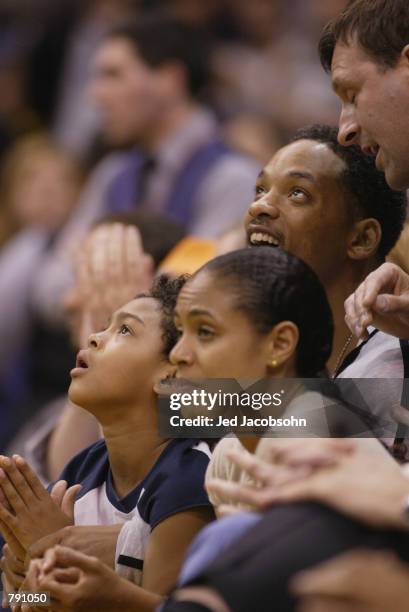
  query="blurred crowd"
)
[{"x": 47, "y": 51}]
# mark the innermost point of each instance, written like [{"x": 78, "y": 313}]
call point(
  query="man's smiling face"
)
[
  {"x": 301, "y": 206},
  {"x": 375, "y": 108}
]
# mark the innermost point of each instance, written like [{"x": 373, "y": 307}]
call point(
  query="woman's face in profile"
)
[{"x": 217, "y": 339}]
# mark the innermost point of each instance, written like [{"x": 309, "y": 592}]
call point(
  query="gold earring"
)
[{"x": 273, "y": 363}]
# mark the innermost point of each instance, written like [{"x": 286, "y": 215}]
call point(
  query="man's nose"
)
[
  {"x": 264, "y": 206},
  {"x": 349, "y": 130}
]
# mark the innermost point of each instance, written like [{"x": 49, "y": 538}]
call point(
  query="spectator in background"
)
[
  {"x": 40, "y": 187},
  {"x": 253, "y": 134},
  {"x": 232, "y": 239},
  {"x": 201, "y": 14},
  {"x": 147, "y": 81},
  {"x": 269, "y": 66},
  {"x": 17, "y": 116},
  {"x": 59, "y": 63}
]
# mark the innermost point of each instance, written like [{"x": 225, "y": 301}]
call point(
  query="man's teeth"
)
[{"x": 258, "y": 237}]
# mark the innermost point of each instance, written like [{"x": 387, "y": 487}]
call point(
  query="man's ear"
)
[
  {"x": 364, "y": 239},
  {"x": 282, "y": 346}
]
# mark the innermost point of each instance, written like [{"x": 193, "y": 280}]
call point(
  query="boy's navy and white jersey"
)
[{"x": 174, "y": 484}]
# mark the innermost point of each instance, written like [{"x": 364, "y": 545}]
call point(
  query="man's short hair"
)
[
  {"x": 381, "y": 28},
  {"x": 159, "y": 38},
  {"x": 364, "y": 185}
]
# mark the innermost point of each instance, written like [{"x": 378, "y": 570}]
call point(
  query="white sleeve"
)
[
  {"x": 130, "y": 549},
  {"x": 222, "y": 468}
]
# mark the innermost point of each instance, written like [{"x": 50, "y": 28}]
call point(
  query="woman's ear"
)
[
  {"x": 283, "y": 342},
  {"x": 364, "y": 239}
]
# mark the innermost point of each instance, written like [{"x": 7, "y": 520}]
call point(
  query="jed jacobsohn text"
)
[
  {"x": 221, "y": 399},
  {"x": 236, "y": 421}
]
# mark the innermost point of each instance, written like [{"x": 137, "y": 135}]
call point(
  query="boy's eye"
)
[
  {"x": 205, "y": 332},
  {"x": 124, "y": 330},
  {"x": 259, "y": 190}
]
